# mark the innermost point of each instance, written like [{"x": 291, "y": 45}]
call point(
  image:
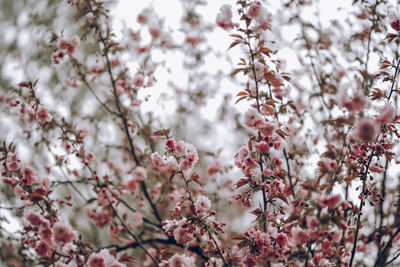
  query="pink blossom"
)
[
  {"x": 43, "y": 115},
  {"x": 252, "y": 118},
  {"x": 155, "y": 30},
  {"x": 99, "y": 259},
  {"x": 170, "y": 143},
  {"x": 254, "y": 10},
  {"x": 301, "y": 236},
  {"x": 387, "y": 114},
  {"x": 376, "y": 168},
  {"x": 117, "y": 264},
  {"x": 132, "y": 185},
  {"x": 29, "y": 177},
  {"x": 202, "y": 205},
  {"x": 356, "y": 103},
  {"x": 62, "y": 44},
  {"x": 312, "y": 222},
  {"x": 143, "y": 16},
  {"x": 63, "y": 233},
  {"x": 366, "y": 130},
  {"x": 266, "y": 129},
  {"x": 281, "y": 239},
  {"x": 263, "y": 148},
  {"x": 76, "y": 40},
  {"x": 139, "y": 219},
  {"x": 43, "y": 248},
  {"x": 214, "y": 167},
  {"x": 395, "y": 24},
  {"x": 34, "y": 218},
  {"x": 12, "y": 161},
  {"x": 259, "y": 70},
  {"x": 332, "y": 202},
  {"x": 139, "y": 174},
  {"x": 45, "y": 233},
  {"x": 105, "y": 197},
  {"x": 138, "y": 80},
  {"x": 224, "y": 17},
  {"x": 180, "y": 261}
]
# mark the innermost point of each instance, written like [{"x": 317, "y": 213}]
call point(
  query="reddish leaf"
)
[
  {"x": 127, "y": 258},
  {"x": 237, "y": 36},
  {"x": 240, "y": 99},
  {"x": 236, "y": 71},
  {"x": 161, "y": 132},
  {"x": 234, "y": 43},
  {"x": 241, "y": 182},
  {"x": 242, "y": 93},
  {"x": 257, "y": 212},
  {"x": 238, "y": 237}
]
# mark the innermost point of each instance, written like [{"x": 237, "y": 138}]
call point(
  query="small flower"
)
[
  {"x": 281, "y": 239},
  {"x": 202, "y": 205},
  {"x": 395, "y": 24},
  {"x": 139, "y": 174},
  {"x": 252, "y": 118},
  {"x": 254, "y": 10},
  {"x": 63, "y": 233},
  {"x": 143, "y": 16},
  {"x": 138, "y": 80},
  {"x": 387, "y": 114},
  {"x": 214, "y": 167},
  {"x": 224, "y": 17},
  {"x": 42, "y": 248},
  {"x": 180, "y": 261},
  {"x": 366, "y": 130}
]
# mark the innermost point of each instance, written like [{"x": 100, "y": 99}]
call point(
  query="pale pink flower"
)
[
  {"x": 100, "y": 217},
  {"x": 76, "y": 40},
  {"x": 139, "y": 219},
  {"x": 99, "y": 259},
  {"x": 266, "y": 129},
  {"x": 356, "y": 103},
  {"x": 43, "y": 248},
  {"x": 132, "y": 185},
  {"x": 254, "y": 10},
  {"x": 138, "y": 80},
  {"x": 301, "y": 236},
  {"x": 312, "y": 222},
  {"x": 34, "y": 218},
  {"x": 214, "y": 167},
  {"x": 62, "y": 44},
  {"x": 332, "y": 202},
  {"x": 252, "y": 118},
  {"x": 263, "y": 147},
  {"x": 45, "y": 232},
  {"x": 12, "y": 161},
  {"x": 387, "y": 114},
  {"x": 30, "y": 176},
  {"x": 155, "y": 30},
  {"x": 181, "y": 261},
  {"x": 63, "y": 233},
  {"x": 202, "y": 205},
  {"x": 143, "y": 16},
  {"x": 224, "y": 17},
  {"x": 43, "y": 115},
  {"x": 139, "y": 174},
  {"x": 366, "y": 130}
]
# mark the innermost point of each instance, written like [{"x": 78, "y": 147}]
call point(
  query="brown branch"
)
[
  {"x": 289, "y": 173},
  {"x": 121, "y": 114},
  {"x": 138, "y": 242},
  {"x": 364, "y": 180}
]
